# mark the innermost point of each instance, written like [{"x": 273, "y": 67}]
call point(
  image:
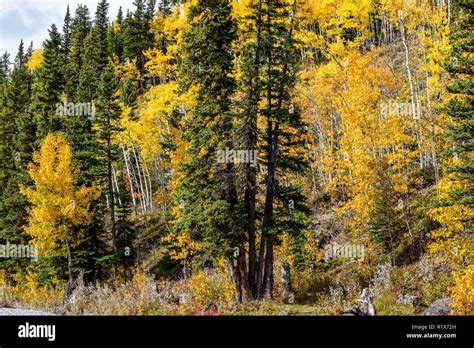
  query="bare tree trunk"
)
[
  {"x": 140, "y": 187},
  {"x": 116, "y": 186},
  {"x": 127, "y": 166},
  {"x": 410, "y": 80}
]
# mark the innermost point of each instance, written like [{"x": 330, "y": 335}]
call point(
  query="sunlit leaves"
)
[
  {"x": 36, "y": 60},
  {"x": 57, "y": 205}
]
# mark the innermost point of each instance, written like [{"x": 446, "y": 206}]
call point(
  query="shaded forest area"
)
[{"x": 241, "y": 157}]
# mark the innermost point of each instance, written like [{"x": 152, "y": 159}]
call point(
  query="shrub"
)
[
  {"x": 387, "y": 304},
  {"x": 463, "y": 292},
  {"x": 131, "y": 298},
  {"x": 29, "y": 292},
  {"x": 211, "y": 287},
  {"x": 437, "y": 288},
  {"x": 352, "y": 279},
  {"x": 309, "y": 286},
  {"x": 381, "y": 280}
]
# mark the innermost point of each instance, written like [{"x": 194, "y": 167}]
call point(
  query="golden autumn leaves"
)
[{"x": 57, "y": 205}]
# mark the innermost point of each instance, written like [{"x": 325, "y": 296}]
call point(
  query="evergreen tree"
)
[
  {"x": 460, "y": 108},
  {"x": 4, "y": 68},
  {"x": 137, "y": 34},
  {"x": 212, "y": 213},
  {"x": 80, "y": 27},
  {"x": 282, "y": 136},
  {"x": 82, "y": 138},
  {"x": 108, "y": 126},
  {"x": 126, "y": 231},
  {"x": 48, "y": 86},
  {"x": 66, "y": 46},
  {"x": 95, "y": 56},
  {"x": 247, "y": 134},
  {"x": 16, "y": 144},
  {"x": 454, "y": 238},
  {"x": 164, "y": 6},
  {"x": 115, "y": 36}
]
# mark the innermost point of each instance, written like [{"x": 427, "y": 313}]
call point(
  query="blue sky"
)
[{"x": 30, "y": 19}]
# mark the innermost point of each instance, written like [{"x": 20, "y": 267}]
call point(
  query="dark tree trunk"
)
[
  {"x": 241, "y": 273},
  {"x": 71, "y": 285},
  {"x": 112, "y": 199},
  {"x": 268, "y": 277},
  {"x": 250, "y": 196},
  {"x": 251, "y": 182},
  {"x": 286, "y": 280}
]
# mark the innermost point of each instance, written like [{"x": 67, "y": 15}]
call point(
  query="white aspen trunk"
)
[
  {"x": 147, "y": 177},
  {"x": 116, "y": 185},
  {"x": 449, "y": 12},
  {"x": 126, "y": 160},
  {"x": 140, "y": 187},
  {"x": 410, "y": 81}
]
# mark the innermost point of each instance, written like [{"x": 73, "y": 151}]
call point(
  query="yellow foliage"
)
[
  {"x": 152, "y": 127},
  {"x": 31, "y": 293},
  {"x": 159, "y": 64},
  {"x": 172, "y": 27},
  {"x": 463, "y": 292},
  {"x": 56, "y": 204},
  {"x": 184, "y": 245},
  {"x": 3, "y": 277},
  {"x": 451, "y": 242},
  {"x": 333, "y": 18},
  {"x": 116, "y": 27},
  {"x": 357, "y": 148},
  {"x": 207, "y": 286},
  {"x": 128, "y": 70},
  {"x": 311, "y": 247},
  {"x": 36, "y": 60},
  {"x": 241, "y": 9}
]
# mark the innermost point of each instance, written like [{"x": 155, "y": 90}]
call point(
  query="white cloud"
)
[{"x": 30, "y": 19}]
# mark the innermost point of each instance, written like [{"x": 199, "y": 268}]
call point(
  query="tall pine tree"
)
[
  {"x": 212, "y": 213},
  {"x": 16, "y": 145},
  {"x": 48, "y": 87}
]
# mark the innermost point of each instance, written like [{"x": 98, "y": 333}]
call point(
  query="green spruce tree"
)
[{"x": 212, "y": 212}]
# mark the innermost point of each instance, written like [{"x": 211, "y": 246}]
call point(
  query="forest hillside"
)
[{"x": 241, "y": 157}]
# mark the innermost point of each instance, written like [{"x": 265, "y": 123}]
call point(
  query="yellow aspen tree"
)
[
  {"x": 57, "y": 205},
  {"x": 36, "y": 60}
]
